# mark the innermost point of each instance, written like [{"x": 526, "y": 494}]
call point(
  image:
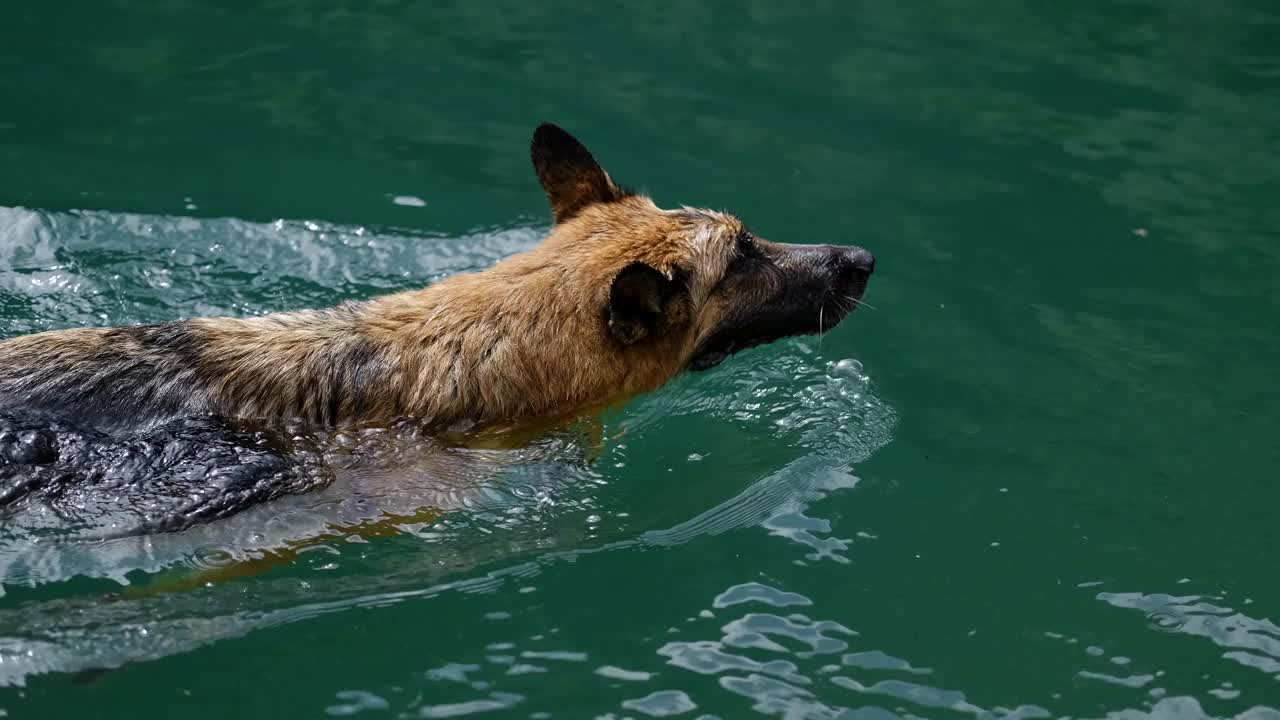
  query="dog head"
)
[{"x": 691, "y": 281}]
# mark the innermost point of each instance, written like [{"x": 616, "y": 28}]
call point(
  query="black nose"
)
[
  {"x": 852, "y": 261},
  {"x": 862, "y": 260}
]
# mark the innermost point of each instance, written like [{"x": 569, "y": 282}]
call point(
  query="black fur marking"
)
[
  {"x": 142, "y": 373},
  {"x": 781, "y": 291},
  {"x": 640, "y": 302},
  {"x": 343, "y": 377},
  {"x": 336, "y": 380},
  {"x": 569, "y": 174}
]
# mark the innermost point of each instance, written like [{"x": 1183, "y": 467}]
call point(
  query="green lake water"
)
[{"x": 1036, "y": 480}]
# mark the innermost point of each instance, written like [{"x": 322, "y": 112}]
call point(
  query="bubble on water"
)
[
  {"x": 846, "y": 368},
  {"x": 409, "y": 201}
]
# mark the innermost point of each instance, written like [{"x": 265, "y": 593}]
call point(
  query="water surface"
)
[{"x": 1044, "y": 488}]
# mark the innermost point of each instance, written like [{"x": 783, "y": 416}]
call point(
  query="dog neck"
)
[{"x": 470, "y": 349}]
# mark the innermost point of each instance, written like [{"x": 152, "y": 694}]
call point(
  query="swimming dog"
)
[{"x": 618, "y": 298}]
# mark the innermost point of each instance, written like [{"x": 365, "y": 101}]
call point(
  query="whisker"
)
[
  {"x": 821, "y": 309},
  {"x": 859, "y": 302}
]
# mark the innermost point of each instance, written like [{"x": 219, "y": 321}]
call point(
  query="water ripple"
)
[{"x": 1251, "y": 642}]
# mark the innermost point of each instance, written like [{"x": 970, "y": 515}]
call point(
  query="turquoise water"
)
[{"x": 1036, "y": 480}]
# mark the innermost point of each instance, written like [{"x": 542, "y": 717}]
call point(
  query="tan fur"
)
[
  {"x": 525, "y": 338},
  {"x": 614, "y": 302}
]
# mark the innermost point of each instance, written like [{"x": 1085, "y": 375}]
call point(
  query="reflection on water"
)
[
  {"x": 1252, "y": 642},
  {"x": 772, "y": 651}
]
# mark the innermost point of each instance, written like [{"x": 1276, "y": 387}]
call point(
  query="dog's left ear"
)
[
  {"x": 645, "y": 303},
  {"x": 571, "y": 178}
]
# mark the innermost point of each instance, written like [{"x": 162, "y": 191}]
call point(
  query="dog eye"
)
[{"x": 746, "y": 253}]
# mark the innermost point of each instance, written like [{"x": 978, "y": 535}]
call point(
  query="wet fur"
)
[{"x": 619, "y": 297}]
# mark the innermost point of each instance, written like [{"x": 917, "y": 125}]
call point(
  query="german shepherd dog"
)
[{"x": 618, "y": 298}]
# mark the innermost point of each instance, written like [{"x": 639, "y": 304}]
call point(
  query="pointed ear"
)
[
  {"x": 645, "y": 303},
  {"x": 571, "y": 178}
]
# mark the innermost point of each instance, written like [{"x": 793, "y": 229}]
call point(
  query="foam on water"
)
[{"x": 99, "y": 268}]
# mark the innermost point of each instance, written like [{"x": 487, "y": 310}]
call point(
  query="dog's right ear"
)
[
  {"x": 645, "y": 303},
  {"x": 571, "y": 178}
]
